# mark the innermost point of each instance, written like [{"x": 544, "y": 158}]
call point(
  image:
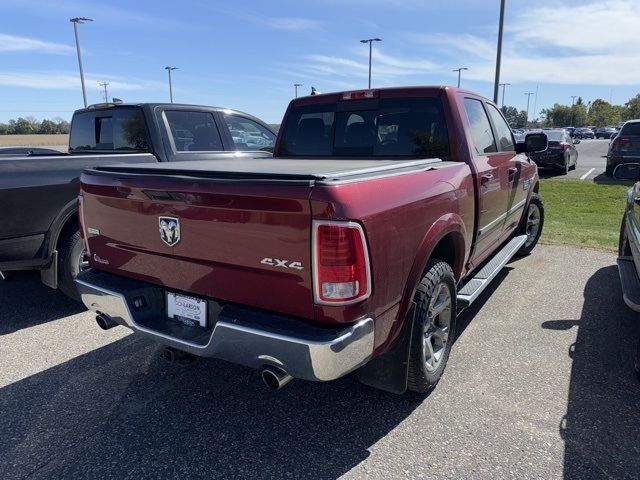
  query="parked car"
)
[
  {"x": 629, "y": 244},
  {"x": 583, "y": 133},
  {"x": 561, "y": 153},
  {"x": 46, "y": 186},
  {"x": 381, "y": 214},
  {"x": 605, "y": 132},
  {"x": 624, "y": 147},
  {"x": 570, "y": 131},
  {"x": 27, "y": 151}
]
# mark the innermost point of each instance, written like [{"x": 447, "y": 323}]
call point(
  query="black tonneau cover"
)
[{"x": 300, "y": 171}]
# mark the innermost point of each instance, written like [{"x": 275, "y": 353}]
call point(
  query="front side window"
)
[
  {"x": 392, "y": 127},
  {"x": 483, "y": 140},
  {"x": 503, "y": 132},
  {"x": 249, "y": 135},
  {"x": 193, "y": 131}
]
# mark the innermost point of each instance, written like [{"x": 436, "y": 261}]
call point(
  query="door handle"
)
[{"x": 484, "y": 179}]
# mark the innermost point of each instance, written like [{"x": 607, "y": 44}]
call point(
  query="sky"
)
[{"x": 247, "y": 54}]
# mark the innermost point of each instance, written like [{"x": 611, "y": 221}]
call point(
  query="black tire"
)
[
  {"x": 69, "y": 256},
  {"x": 624, "y": 249},
  {"x": 523, "y": 229},
  {"x": 575, "y": 164},
  {"x": 609, "y": 171},
  {"x": 637, "y": 365},
  {"x": 423, "y": 377}
]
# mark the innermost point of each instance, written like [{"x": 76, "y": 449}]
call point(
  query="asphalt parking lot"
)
[
  {"x": 591, "y": 163},
  {"x": 540, "y": 384}
]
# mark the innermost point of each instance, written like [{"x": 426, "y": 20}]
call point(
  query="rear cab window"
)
[
  {"x": 113, "y": 130},
  {"x": 193, "y": 131},
  {"x": 386, "y": 127},
  {"x": 248, "y": 135}
]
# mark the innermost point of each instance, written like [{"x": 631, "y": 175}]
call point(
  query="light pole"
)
[
  {"x": 504, "y": 87},
  {"x": 573, "y": 99},
  {"x": 168, "y": 69},
  {"x": 370, "y": 42},
  {"x": 106, "y": 96},
  {"x": 459, "y": 70},
  {"x": 75, "y": 22},
  {"x": 528, "y": 94},
  {"x": 296, "y": 85},
  {"x": 499, "y": 54}
]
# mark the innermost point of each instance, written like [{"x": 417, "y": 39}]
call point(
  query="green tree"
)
[
  {"x": 632, "y": 109},
  {"x": 602, "y": 113},
  {"x": 23, "y": 127},
  {"x": 511, "y": 114},
  {"x": 47, "y": 127}
]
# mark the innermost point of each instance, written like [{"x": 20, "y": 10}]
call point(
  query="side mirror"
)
[
  {"x": 576, "y": 141},
  {"x": 535, "y": 142},
  {"x": 627, "y": 171}
]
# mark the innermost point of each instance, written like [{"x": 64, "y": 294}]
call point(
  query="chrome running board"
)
[{"x": 481, "y": 280}]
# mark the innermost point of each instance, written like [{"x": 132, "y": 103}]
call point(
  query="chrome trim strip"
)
[
  {"x": 303, "y": 358},
  {"x": 494, "y": 223}
]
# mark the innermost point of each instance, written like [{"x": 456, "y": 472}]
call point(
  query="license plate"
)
[{"x": 188, "y": 310}]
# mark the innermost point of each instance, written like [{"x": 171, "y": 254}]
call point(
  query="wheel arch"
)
[{"x": 66, "y": 219}]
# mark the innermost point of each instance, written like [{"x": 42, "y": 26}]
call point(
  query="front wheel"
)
[
  {"x": 433, "y": 327},
  {"x": 532, "y": 224}
]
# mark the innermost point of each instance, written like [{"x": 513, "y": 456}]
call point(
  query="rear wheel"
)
[
  {"x": 532, "y": 224},
  {"x": 71, "y": 261},
  {"x": 433, "y": 328}
]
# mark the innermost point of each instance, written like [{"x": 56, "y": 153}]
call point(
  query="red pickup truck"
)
[{"x": 382, "y": 214}]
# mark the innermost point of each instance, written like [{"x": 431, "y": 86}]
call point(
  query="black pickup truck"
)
[{"x": 38, "y": 192}]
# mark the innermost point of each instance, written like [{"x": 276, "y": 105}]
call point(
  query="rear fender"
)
[
  {"x": 449, "y": 224},
  {"x": 49, "y": 274}
]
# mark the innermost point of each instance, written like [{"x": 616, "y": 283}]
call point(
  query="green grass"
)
[{"x": 582, "y": 213}]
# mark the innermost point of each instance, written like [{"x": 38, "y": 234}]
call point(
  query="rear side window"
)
[
  {"x": 631, "y": 129},
  {"x": 503, "y": 132},
  {"x": 394, "y": 127},
  {"x": 119, "y": 129},
  {"x": 193, "y": 131},
  {"x": 249, "y": 135},
  {"x": 483, "y": 140}
]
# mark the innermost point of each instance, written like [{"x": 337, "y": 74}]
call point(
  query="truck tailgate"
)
[{"x": 237, "y": 242}]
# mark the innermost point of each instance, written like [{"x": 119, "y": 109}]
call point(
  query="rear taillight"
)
[
  {"x": 83, "y": 231},
  {"x": 341, "y": 268},
  {"x": 557, "y": 145},
  {"x": 619, "y": 142}
]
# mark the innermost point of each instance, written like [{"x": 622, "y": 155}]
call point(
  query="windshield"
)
[{"x": 397, "y": 127}]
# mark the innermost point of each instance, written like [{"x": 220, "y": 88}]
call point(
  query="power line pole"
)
[
  {"x": 296, "y": 85},
  {"x": 459, "y": 70},
  {"x": 370, "y": 42},
  {"x": 75, "y": 22},
  {"x": 169, "y": 69},
  {"x": 504, "y": 87},
  {"x": 573, "y": 99},
  {"x": 106, "y": 96},
  {"x": 528, "y": 94},
  {"x": 499, "y": 53}
]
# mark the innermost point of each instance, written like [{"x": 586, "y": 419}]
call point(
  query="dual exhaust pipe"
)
[{"x": 273, "y": 377}]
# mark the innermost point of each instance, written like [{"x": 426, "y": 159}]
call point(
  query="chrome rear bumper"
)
[{"x": 239, "y": 334}]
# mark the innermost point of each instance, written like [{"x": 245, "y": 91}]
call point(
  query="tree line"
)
[
  {"x": 30, "y": 125},
  {"x": 599, "y": 113}
]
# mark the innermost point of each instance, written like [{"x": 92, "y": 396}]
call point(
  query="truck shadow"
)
[
  {"x": 26, "y": 302},
  {"x": 120, "y": 411},
  {"x": 601, "y": 428}
]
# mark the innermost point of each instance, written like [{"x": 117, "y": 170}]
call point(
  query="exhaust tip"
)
[
  {"x": 275, "y": 378},
  {"x": 105, "y": 322}
]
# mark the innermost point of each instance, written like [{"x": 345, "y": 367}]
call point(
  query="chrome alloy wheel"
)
[
  {"x": 83, "y": 261},
  {"x": 436, "y": 327},
  {"x": 533, "y": 223}
]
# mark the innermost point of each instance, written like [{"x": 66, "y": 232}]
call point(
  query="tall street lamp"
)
[
  {"x": 573, "y": 100},
  {"x": 296, "y": 85},
  {"x": 459, "y": 70},
  {"x": 75, "y": 22},
  {"x": 499, "y": 53},
  {"x": 370, "y": 42},
  {"x": 504, "y": 87},
  {"x": 169, "y": 69},
  {"x": 528, "y": 94}
]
